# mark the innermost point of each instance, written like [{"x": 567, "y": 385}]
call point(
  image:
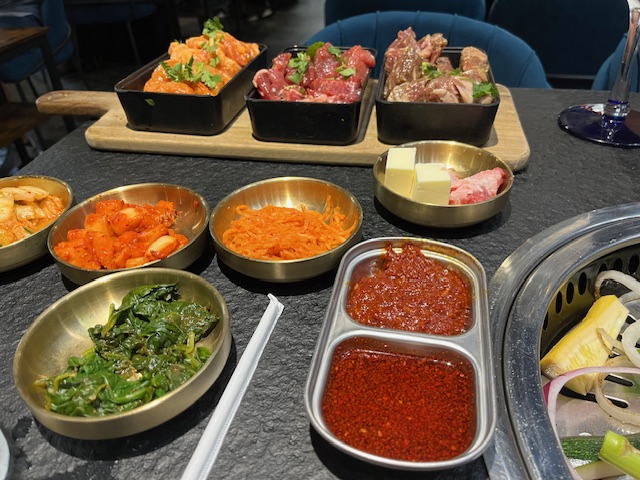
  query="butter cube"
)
[
  {"x": 431, "y": 184},
  {"x": 398, "y": 174}
]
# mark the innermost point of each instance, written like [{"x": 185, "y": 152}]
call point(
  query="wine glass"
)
[{"x": 614, "y": 122}]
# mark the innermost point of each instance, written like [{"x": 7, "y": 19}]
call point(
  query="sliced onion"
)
[
  {"x": 552, "y": 390},
  {"x": 621, "y": 414},
  {"x": 622, "y": 278},
  {"x": 629, "y": 297},
  {"x": 608, "y": 341},
  {"x": 629, "y": 339}
]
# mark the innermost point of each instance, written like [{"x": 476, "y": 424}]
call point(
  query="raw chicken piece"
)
[{"x": 229, "y": 57}]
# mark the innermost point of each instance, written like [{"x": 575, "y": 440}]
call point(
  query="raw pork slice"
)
[{"x": 476, "y": 188}]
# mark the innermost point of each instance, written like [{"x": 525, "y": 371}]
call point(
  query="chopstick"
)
[{"x": 205, "y": 454}]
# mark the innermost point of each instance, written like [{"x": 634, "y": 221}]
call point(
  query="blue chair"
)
[
  {"x": 47, "y": 13},
  {"x": 606, "y": 76},
  {"x": 335, "y": 10},
  {"x": 111, "y": 12},
  {"x": 572, "y": 39},
  {"x": 513, "y": 62}
]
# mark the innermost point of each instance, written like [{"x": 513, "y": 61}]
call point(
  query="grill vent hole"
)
[
  {"x": 559, "y": 302},
  {"x": 570, "y": 292},
  {"x": 618, "y": 265},
  {"x": 582, "y": 283},
  {"x": 634, "y": 263}
]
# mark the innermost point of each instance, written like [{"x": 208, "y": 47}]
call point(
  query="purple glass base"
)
[{"x": 587, "y": 122}]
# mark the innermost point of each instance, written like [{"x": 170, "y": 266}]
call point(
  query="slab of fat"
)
[
  {"x": 399, "y": 171},
  {"x": 431, "y": 184}
]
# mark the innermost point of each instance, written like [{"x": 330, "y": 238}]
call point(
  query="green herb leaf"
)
[
  {"x": 187, "y": 73},
  {"x": 214, "y": 30},
  {"x": 346, "y": 71},
  {"x": 335, "y": 51},
  {"x": 485, "y": 88},
  {"x": 212, "y": 26},
  {"x": 313, "y": 48},
  {"x": 429, "y": 71},
  {"x": 301, "y": 64}
]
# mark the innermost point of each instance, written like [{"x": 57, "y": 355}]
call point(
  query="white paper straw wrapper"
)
[{"x": 205, "y": 454}]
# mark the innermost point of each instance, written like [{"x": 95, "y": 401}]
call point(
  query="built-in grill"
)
[{"x": 539, "y": 292}]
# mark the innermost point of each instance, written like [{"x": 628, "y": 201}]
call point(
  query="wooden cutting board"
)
[{"x": 110, "y": 132}]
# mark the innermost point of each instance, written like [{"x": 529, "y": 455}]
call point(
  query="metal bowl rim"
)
[
  {"x": 502, "y": 163},
  {"x": 96, "y": 197},
  {"x": 354, "y": 200},
  {"x": 68, "y": 206},
  {"x": 92, "y": 285}
]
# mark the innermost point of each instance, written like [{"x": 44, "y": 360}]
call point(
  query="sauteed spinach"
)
[{"x": 145, "y": 349}]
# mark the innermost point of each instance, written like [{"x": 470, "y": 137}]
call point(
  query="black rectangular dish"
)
[
  {"x": 402, "y": 122},
  {"x": 306, "y": 122},
  {"x": 183, "y": 113}
]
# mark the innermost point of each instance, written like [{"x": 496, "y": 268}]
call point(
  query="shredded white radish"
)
[{"x": 622, "y": 278}]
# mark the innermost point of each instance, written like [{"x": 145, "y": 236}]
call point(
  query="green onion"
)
[{"x": 617, "y": 451}]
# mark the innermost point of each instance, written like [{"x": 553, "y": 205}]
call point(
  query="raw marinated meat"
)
[
  {"x": 412, "y": 64},
  {"x": 201, "y": 65},
  {"x": 476, "y": 188},
  {"x": 330, "y": 76}
]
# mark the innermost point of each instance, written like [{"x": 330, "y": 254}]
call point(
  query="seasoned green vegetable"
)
[{"x": 146, "y": 349}]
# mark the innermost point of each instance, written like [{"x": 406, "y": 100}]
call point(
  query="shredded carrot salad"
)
[{"x": 284, "y": 233}]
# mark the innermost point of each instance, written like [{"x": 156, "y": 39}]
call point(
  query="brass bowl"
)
[
  {"x": 34, "y": 246},
  {"x": 465, "y": 160},
  {"x": 286, "y": 192},
  {"x": 61, "y": 331},
  {"x": 192, "y": 222}
]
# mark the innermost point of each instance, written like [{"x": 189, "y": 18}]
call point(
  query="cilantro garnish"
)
[
  {"x": 335, "y": 51},
  {"x": 485, "y": 88},
  {"x": 186, "y": 73},
  {"x": 429, "y": 71},
  {"x": 343, "y": 69},
  {"x": 346, "y": 71},
  {"x": 213, "y": 25},
  {"x": 301, "y": 64},
  {"x": 214, "y": 30}
]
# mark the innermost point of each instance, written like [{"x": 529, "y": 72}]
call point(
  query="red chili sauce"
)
[
  {"x": 403, "y": 407},
  {"x": 412, "y": 292}
]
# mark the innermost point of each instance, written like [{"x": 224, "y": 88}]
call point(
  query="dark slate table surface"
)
[{"x": 271, "y": 436}]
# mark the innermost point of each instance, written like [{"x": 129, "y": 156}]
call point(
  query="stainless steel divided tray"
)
[{"x": 469, "y": 348}]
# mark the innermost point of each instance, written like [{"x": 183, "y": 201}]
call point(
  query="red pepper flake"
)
[
  {"x": 401, "y": 406},
  {"x": 413, "y": 293}
]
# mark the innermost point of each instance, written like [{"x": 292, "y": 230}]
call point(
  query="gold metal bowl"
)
[
  {"x": 34, "y": 246},
  {"x": 285, "y": 192},
  {"x": 465, "y": 160},
  {"x": 192, "y": 222},
  {"x": 61, "y": 331}
]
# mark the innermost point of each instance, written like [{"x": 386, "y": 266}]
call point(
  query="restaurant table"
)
[{"x": 271, "y": 436}]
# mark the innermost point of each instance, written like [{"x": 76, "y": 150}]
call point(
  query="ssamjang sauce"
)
[
  {"x": 413, "y": 293},
  {"x": 399, "y": 406}
]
